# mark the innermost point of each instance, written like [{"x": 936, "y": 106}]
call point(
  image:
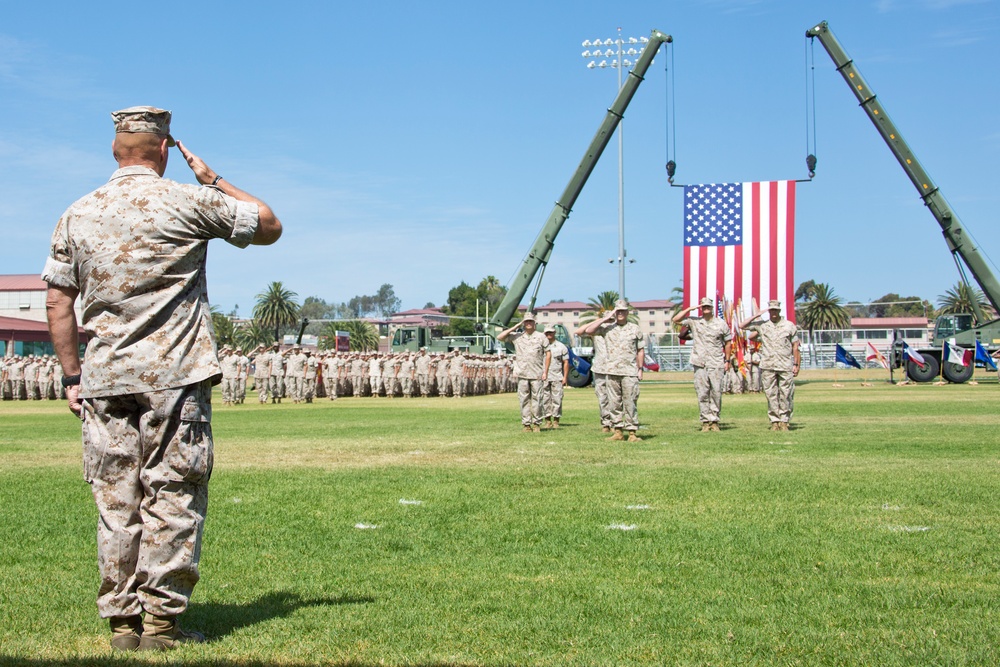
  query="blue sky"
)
[{"x": 423, "y": 144}]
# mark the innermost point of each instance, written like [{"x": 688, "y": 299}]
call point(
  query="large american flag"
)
[{"x": 739, "y": 243}]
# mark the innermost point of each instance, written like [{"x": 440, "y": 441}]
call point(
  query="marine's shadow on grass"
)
[{"x": 219, "y": 620}]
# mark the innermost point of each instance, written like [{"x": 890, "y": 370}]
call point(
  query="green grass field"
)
[{"x": 434, "y": 532}]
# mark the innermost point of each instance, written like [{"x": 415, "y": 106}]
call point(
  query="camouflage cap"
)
[
  {"x": 528, "y": 317},
  {"x": 550, "y": 329},
  {"x": 143, "y": 119},
  {"x": 706, "y": 301},
  {"x": 774, "y": 304},
  {"x": 621, "y": 304}
]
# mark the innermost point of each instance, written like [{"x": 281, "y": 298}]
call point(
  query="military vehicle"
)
[{"x": 963, "y": 330}]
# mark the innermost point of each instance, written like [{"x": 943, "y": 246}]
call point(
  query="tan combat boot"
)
[
  {"x": 705, "y": 427},
  {"x": 536, "y": 428},
  {"x": 715, "y": 426},
  {"x": 162, "y": 633},
  {"x": 526, "y": 429},
  {"x": 632, "y": 437},
  {"x": 555, "y": 423},
  {"x": 125, "y": 632},
  {"x": 618, "y": 435},
  {"x": 548, "y": 423},
  {"x": 605, "y": 429}
]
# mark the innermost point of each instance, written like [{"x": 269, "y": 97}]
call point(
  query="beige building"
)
[{"x": 653, "y": 316}]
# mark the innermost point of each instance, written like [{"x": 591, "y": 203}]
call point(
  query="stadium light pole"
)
[{"x": 602, "y": 49}]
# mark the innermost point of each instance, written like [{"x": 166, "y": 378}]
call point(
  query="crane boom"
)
[
  {"x": 541, "y": 250},
  {"x": 959, "y": 242}
]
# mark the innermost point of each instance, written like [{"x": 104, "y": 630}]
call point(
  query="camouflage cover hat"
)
[
  {"x": 143, "y": 119},
  {"x": 621, "y": 304},
  {"x": 774, "y": 304},
  {"x": 528, "y": 317},
  {"x": 550, "y": 329},
  {"x": 706, "y": 301}
]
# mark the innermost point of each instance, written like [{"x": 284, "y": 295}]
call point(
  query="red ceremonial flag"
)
[{"x": 739, "y": 241}]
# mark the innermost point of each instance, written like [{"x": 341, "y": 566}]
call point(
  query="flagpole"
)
[{"x": 944, "y": 360}]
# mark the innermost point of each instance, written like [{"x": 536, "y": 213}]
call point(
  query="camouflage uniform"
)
[
  {"x": 135, "y": 251},
  {"x": 309, "y": 370},
  {"x": 597, "y": 369},
  {"x": 423, "y": 368},
  {"x": 529, "y": 350},
  {"x": 708, "y": 339},
  {"x": 276, "y": 374},
  {"x": 242, "y": 369},
  {"x": 4, "y": 377},
  {"x": 776, "y": 366},
  {"x": 623, "y": 344},
  {"x": 294, "y": 374},
  {"x": 456, "y": 374},
  {"x": 552, "y": 387},
  {"x": 262, "y": 373},
  {"x": 230, "y": 371}
]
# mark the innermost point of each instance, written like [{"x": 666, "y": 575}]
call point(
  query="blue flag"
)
[
  {"x": 581, "y": 365},
  {"x": 845, "y": 357},
  {"x": 984, "y": 356}
]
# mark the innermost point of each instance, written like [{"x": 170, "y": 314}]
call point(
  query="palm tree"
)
[
  {"x": 364, "y": 336},
  {"x": 222, "y": 325},
  {"x": 823, "y": 310},
  {"x": 276, "y": 308},
  {"x": 959, "y": 299},
  {"x": 248, "y": 336},
  {"x": 600, "y": 306}
]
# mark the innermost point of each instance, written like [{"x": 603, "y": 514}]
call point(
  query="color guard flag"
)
[
  {"x": 581, "y": 365},
  {"x": 846, "y": 358},
  {"x": 912, "y": 355},
  {"x": 984, "y": 356},
  {"x": 954, "y": 354},
  {"x": 876, "y": 356},
  {"x": 739, "y": 242}
]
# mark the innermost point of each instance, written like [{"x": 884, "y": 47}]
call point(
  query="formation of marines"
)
[
  {"x": 31, "y": 378},
  {"x": 300, "y": 375}
]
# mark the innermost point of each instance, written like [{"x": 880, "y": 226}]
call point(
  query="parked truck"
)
[{"x": 963, "y": 330}]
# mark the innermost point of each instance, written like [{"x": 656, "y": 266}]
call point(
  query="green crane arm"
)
[
  {"x": 541, "y": 250},
  {"x": 959, "y": 242}
]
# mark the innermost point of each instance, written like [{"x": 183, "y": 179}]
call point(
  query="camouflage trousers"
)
[
  {"x": 261, "y": 383},
  {"x": 457, "y": 385},
  {"x": 603, "y": 403},
  {"x": 552, "y": 399},
  {"x": 308, "y": 389},
  {"x": 229, "y": 389},
  {"x": 708, "y": 387},
  {"x": 293, "y": 385},
  {"x": 623, "y": 398},
  {"x": 529, "y": 393},
  {"x": 276, "y": 385},
  {"x": 779, "y": 388},
  {"x": 424, "y": 382},
  {"x": 148, "y": 459},
  {"x": 241, "y": 389},
  {"x": 443, "y": 385}
]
